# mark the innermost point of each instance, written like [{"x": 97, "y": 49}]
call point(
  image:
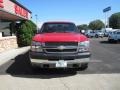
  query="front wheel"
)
[
  {"x": 96, "y": 36},
  {"x": 83, "y": 67},
  {"x": 34, "y": 67},
  {"x": 110, "y": 40}
]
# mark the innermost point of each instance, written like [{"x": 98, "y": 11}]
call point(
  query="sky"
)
[{"x": 77, "y": 11}]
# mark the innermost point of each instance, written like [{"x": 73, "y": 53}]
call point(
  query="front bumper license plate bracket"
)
[{"x": 61, "y": 64}]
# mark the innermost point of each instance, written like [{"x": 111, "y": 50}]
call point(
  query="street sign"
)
[{"x": 107, "y": 9}]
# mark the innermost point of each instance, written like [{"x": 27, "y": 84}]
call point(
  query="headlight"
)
[
  {"x": 36, "y": 46},
  {"x": 83, "y": 46}
]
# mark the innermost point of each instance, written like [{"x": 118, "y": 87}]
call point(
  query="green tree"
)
[
  {"x": 114, "y": 21},
  {"x": 96, "y": 25},
  {"x": 83, "y": 27},
  {"x": 25, "y": 33}
]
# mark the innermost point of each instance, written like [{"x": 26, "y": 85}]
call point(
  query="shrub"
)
[{"x": 25, "y": 33}]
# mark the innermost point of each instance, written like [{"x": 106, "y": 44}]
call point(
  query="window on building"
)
[{"x": 5, "y": 28}]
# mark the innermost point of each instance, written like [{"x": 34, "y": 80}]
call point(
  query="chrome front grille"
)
[
  {"x": 61, "y": 47},
  {"x": 51, "y": 44}
]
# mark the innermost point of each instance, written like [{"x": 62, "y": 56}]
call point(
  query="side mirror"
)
[{"x": 38, "y": 31}]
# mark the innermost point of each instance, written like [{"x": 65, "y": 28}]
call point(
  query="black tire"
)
[
  {"x": 34, "y": 68},
  {"x": 115, "y": 41},
  {"x": 83, "y": 67},
  {"x": 96, "y": 36},
  {"x": 110, "y": 40},
  {"x": 87, "y": 35}
]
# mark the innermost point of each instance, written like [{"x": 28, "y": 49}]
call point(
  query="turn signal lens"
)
[{"x": 83, "y": 46}]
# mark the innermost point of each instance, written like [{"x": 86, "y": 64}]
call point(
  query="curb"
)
[{"x": 11, "y": 54}]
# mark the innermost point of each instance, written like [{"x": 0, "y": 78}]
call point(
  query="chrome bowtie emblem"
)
[{"x": 61, "y": 47}]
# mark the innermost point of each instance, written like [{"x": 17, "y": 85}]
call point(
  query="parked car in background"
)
[
  {"x": 90, "y": 33},
  {"x": 114, "y": 36},
  {"x": 99, "y": 33},
  {"x": 106, "y": 31},
  {"x": 110, "y": 33},
  {"x": 106, "y": 34},
  {"x": 95, "y": 33}
]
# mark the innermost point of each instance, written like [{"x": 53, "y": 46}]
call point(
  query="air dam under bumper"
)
[{"x": 49, "y": 60}]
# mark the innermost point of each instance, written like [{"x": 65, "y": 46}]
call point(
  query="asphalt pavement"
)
[{"x": 103, "y": 72}]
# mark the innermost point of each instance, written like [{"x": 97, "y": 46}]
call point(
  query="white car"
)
[
  {"x": 95, "y": 33},
  {"x": 90, "y": 34},
  {"x": 114, "y": 36},
  {"x": 99, "y": 34}
]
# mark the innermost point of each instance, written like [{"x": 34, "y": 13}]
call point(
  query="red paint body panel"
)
[
  {"x": 1, "y": 1},
  {"x": 1, "y": 4},
  {"x": 60, "y": 37}
]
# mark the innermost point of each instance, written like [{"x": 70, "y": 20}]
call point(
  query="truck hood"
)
[{"x": 60, "y": 37}]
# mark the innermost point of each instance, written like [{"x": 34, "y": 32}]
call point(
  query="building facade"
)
[{"x": 11, "y": 13}]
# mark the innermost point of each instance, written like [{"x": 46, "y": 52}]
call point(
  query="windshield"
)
[{"x": 58, "y": 27}]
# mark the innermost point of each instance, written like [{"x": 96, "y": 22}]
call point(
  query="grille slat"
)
[
  {"x": 53, "y": 47},
  {"x": 61, "y": 43},
  {"x": 65, "y": 50}
]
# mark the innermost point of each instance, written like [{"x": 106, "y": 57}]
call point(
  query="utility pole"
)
[{"x": 106, "y": 10}]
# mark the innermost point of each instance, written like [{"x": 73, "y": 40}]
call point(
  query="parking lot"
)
[{"x": 103, "y": 72}]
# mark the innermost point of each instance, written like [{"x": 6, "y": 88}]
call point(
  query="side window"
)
[
  {"x": 114, "y": 32},
  {"x": 118, "y": 33}
]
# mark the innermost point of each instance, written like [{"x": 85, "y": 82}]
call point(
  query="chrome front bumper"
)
[{"x": 52, "y": 63}]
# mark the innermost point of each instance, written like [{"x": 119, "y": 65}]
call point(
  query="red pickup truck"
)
[{"x": 60, "y": 45}]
